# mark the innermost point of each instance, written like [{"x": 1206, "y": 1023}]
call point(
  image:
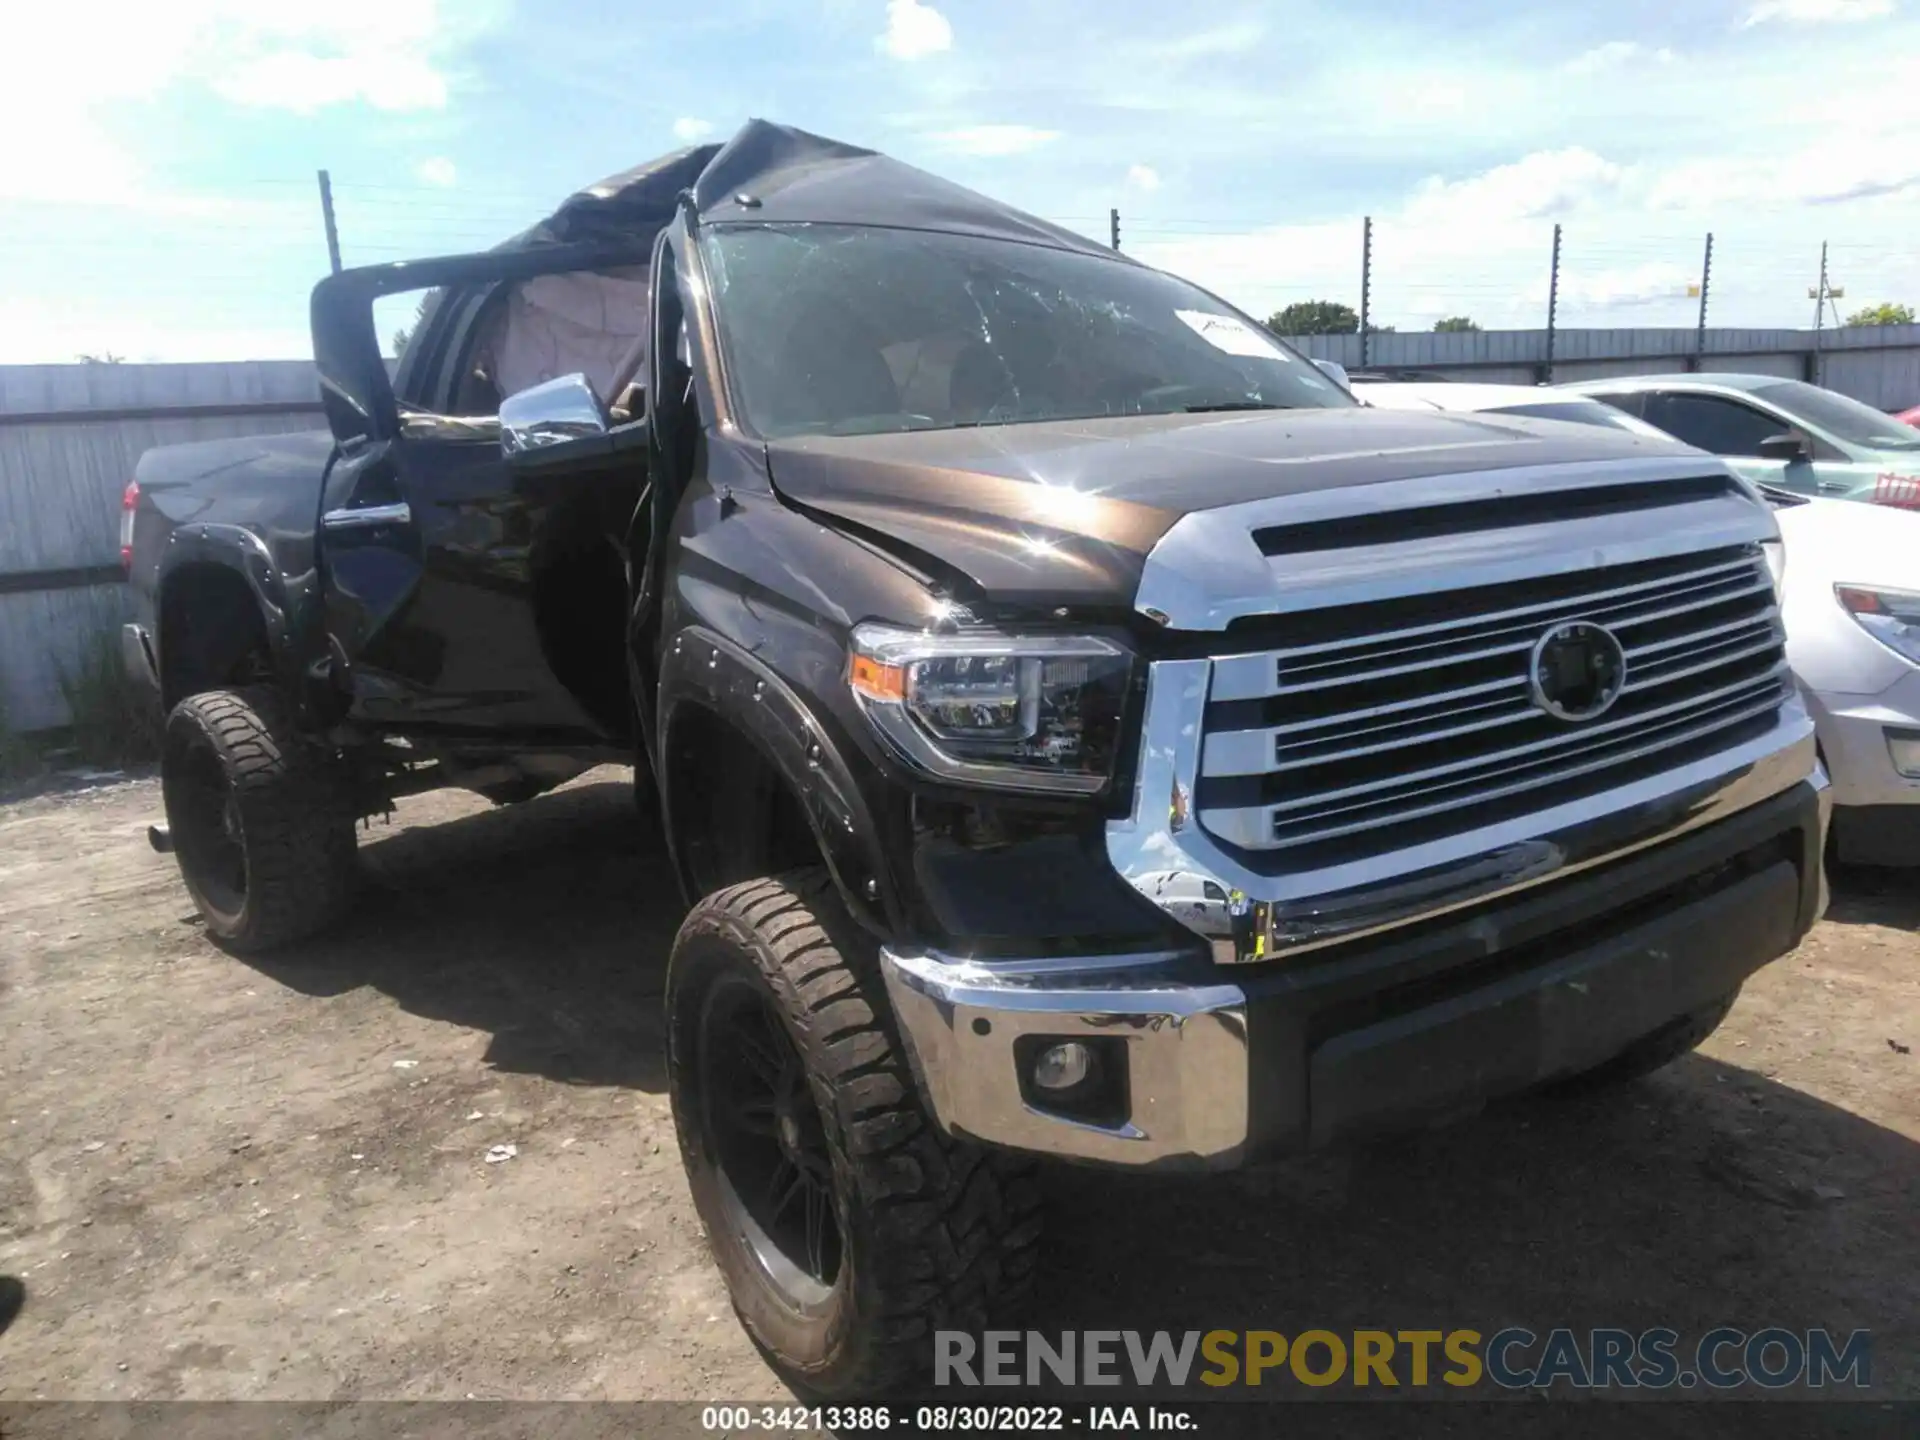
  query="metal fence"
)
[
  {"x": 70, "y": 436},
  {"x": 1879, "y": 364}
]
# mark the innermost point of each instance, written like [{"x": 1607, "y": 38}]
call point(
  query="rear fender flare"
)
[{"x": 285, "y": 607}]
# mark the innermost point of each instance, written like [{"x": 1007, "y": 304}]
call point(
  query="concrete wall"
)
[{"x": 1878, "y": 364}]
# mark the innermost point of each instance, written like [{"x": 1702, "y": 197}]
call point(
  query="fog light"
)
[
  {"x": 1062, "y": 1066},
  {"x": 1904, "y": 747}
]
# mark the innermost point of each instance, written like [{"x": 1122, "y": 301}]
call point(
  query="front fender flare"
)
[{"x": 704, "y": 668}]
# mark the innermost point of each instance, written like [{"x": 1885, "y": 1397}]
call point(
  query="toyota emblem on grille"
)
[{"x": 1577, "y": 671}]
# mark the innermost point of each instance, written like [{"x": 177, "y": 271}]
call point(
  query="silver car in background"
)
[
  {"x": 1784, "y": 433},
  {"x": 1539, "y": 402}
]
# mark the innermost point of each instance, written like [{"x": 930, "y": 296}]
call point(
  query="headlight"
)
[
  {"x": 1891, "y": 616},
  {"x": 1035, "y": 712},
  {"x": 1904, "y": 748},
  {"x": 1776, "y": 553}
]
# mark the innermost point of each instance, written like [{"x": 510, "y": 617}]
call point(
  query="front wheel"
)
[
  {"x": 848, "y": 1227},
  {"x": 262, "y": 823}
]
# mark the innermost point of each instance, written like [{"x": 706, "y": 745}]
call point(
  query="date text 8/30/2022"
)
[{"x": 868, "y": 1419}]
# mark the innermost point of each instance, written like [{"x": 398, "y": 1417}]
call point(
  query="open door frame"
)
[
  {"x": 396, "y": 548},
  {"x": 356, "y": 389}
]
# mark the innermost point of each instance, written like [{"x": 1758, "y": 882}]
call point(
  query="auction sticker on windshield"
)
[{"x": 1231, "y": 334}]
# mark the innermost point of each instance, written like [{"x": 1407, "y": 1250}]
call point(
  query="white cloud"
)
[
  {"x": 1143, "y": 178},
  {"x": 1544, "y": 184},
  {"x": 1616, "y": 53},
  {"x": 298, "y": 55},
  {"x": 437, "y": 170},
  {"x": 1234, "y": 38},
  {"x": 1817, "y": 12},
  {"x": 304, "y": 55},
  {"x": 303, "y": 82},
  {"x": 1434, "y": 97},
  {"x": 993, "y": 140},
  {"x": 1479, "y": 244},
  {"x": 1619, "y": 288},
  {"x": 914, "y": 31},
  {"x": 39, "y": 332},
  {"x": 1475, "y": 245},
  {"x": 689, "y": 131},
  {"x": 1828, "y": 171}
]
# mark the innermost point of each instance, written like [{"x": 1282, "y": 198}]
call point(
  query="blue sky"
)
[{"x": 157, "y": 194}]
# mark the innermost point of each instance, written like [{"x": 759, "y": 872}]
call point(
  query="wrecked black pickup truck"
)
[{"x": 1080, "y": 729}]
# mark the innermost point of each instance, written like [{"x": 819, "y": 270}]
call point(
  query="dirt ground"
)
[{"x": 222, "y": 1179}]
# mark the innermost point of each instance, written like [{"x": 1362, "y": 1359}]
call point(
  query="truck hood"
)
[{"x": 1065, "y": 512}]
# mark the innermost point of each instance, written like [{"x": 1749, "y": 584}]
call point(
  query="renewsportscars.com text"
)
[{"x": 1513, "y": 1358}]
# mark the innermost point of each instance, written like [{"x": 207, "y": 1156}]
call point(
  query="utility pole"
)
[
  {"x": 1553, "y": 306},
  {"x": 1366, "y": 288},
  {"x": 1706, "y": 279},
  {"x": 326, "y": 214},
  {"x": 1113, "y": 228},
  {"x": 1819, "y": 315}
]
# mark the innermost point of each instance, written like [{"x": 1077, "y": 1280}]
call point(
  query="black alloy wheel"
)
[
  {"x": 209, "y": 834},
  {"x": 764, "y": 1130}
]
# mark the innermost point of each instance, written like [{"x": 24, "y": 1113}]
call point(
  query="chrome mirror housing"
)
[{"x": 551, "y": 413}]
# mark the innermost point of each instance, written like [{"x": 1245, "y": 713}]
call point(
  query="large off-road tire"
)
[
  {"x": 849, "y": 1228},
  {"x": 1655, "y": 1051},
  {"x": 262, "y": 821},
  {"x": 646, "y": 795}
]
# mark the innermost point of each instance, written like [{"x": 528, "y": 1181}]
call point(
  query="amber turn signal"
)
[{"x": 878, "y": 681}]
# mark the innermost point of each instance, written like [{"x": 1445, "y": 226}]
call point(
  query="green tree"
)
[
  {"x": 1886, "y": 313},
  {"x": 405, "y": 332},
  {"x": 1453, "y": 325},
  {"x": 1315, "y": 317}
]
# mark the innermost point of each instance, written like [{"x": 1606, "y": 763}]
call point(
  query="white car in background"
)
[
  {"x": 1851, "y": 603},
  {"x": 1529, "y": 402},
  {"x": 1852, "y": 610}
]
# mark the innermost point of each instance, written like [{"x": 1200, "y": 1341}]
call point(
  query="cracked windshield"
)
[{"x": 860, "y": 331}]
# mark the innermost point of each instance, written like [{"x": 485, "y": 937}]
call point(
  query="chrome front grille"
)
[{"x": 1369, "y": 727}]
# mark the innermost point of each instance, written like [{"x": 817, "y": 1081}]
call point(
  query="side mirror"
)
[
  {"x": 1335, "y": 372},
  {"x": 1788, "y": 447},
  {"x": 552, "y": 413}
]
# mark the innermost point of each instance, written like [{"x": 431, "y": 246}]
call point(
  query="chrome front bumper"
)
[
  {"x": 1283, "y": 1058},
  {"x": 1186, "y": 1052}
]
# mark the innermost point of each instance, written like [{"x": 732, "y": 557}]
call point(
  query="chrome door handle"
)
[{"x": 367, "y": 516}]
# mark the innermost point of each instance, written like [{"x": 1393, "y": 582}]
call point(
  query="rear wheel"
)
[
  {"x": 262, "y": 823},
  {"x": 848, "y": 1227}
]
